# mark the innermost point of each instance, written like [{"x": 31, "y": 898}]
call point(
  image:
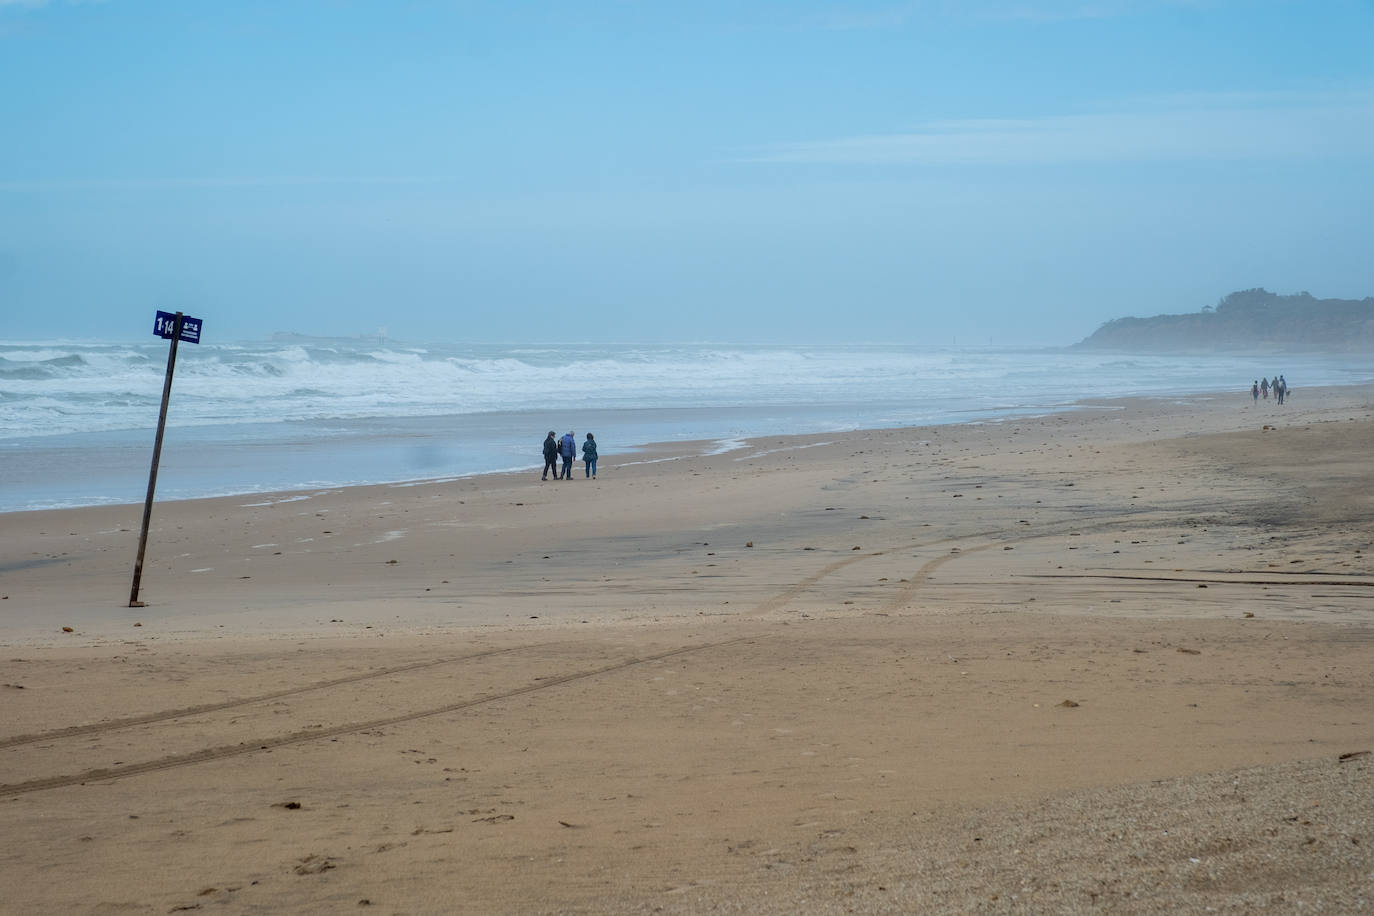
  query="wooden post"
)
[{"x": 157, "y": 454}]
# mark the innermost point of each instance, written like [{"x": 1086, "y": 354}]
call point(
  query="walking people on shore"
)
[
  {"x": 1274, "y": 387},
  {"x": 567, "y": 448},
  {"x": 1254, "y": 393},
  {"x": 1283, "y": 389},
  {"x": 550, "y": 456},
  {"x": 1264, "y": 388},
  {"x": 589, "y": 455}
]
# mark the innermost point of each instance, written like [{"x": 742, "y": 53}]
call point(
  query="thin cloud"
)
[
  {"x": 898, "y": 15},
  {"x": 34, "y": 4},
  {"x": 259, "y": 181},
  {"x": 1210, "y": 129},
  {"x": 1035, "y": 11},
  {"x": 850, "y": 20}
]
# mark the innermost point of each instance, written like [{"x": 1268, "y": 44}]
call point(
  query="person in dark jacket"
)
[
  {"x": 589, "y": 455},
  {"x": 567, "y": 447},
  {"x": 550, "y": 456}
]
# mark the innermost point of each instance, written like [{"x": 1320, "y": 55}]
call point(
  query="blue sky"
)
[{"x": 992, "y": 171}]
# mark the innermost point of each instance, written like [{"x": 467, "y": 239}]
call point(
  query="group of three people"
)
[
  {"x": 566, "y": 448},
  {"x": 1263, "y": 386}
]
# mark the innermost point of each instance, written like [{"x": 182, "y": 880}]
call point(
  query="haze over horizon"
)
[{"x": 998, "y": 171}]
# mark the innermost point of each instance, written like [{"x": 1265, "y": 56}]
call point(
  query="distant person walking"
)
[
  {"x": 1254, "y": 396},
  {"x": 1283, "y": 389},
  {"x": 589, "y": 455},
  {"x": 1274, "y": 387},
  {"x": 550, "y": 456},
  {"x": 1264, "y": 388},
  {"x": 567, "y": 447}
]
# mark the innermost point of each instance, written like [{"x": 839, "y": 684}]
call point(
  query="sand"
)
[{"x": 1119, "y": 659}]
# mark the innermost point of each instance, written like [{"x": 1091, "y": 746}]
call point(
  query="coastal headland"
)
[{"x": 1113, "y": 658}]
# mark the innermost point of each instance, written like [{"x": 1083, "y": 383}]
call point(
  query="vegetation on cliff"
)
[{"x": 1251, "y": 319}]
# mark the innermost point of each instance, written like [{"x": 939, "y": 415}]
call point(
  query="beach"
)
[{"x": 1115, "y": 658}]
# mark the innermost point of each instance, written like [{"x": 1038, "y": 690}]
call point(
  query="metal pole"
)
[{"x": 157, "y": 454}]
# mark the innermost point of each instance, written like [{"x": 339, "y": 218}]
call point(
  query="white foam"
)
[
  {"x": 275, "y": 502},
  {"x": 626, "y": 464},
  {"x": 786, "y": 448},
  {"x": 54, "y": 387}
]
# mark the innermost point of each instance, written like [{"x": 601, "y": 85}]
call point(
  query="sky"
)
[{"x": 985, "y": 172}]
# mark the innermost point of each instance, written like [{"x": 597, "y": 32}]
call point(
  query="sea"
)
[{"x": 78, "y": 418}]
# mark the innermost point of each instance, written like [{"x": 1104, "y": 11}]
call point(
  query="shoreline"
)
[{"x": 681, "y": 449}]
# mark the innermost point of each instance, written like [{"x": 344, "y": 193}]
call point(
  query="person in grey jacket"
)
[
  {"x": 567, "y": 447},
  {"x": 589, "y": 455}
]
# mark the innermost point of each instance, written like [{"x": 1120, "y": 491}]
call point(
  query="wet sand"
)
[{"x": 1114, "y": 659}]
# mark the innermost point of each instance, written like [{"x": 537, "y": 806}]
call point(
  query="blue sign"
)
[{"x": 166, "y": 321}]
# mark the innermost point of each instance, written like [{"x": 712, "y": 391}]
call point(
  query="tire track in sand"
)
[
  {"x": 1052, "y": 529},
  {"x": 770, "y": 604},
  {"x": 918, "y": 579},
  {"x": 778, "y": 600},
  {"x": 206, "y": 755},
  {"x": 163, "y": 715}
]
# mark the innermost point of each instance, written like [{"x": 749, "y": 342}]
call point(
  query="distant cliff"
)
[{"x": 1252, "y": 319}]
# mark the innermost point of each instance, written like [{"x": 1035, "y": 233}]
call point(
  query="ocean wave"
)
[
  {"x": 50, "y": 388},
  {"x": 27, "y": 373}
]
